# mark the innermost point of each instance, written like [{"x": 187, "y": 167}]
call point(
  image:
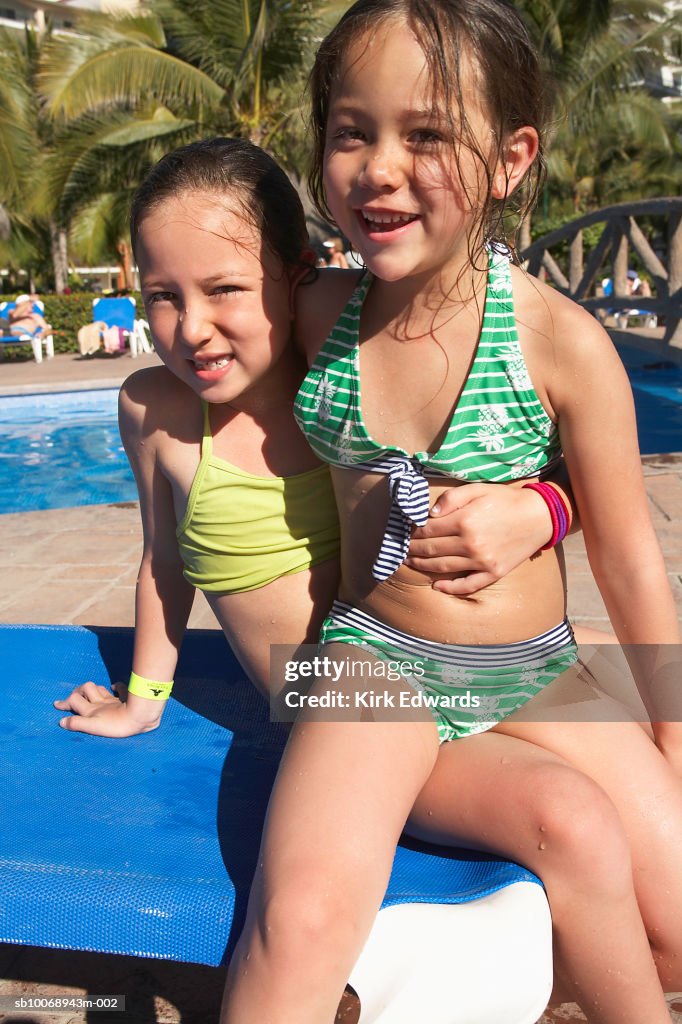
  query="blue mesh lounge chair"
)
[
  {"x": 120, "y": 312},
  {"x": 37, "y": 344},
  {"x": 146, "y": 846}
]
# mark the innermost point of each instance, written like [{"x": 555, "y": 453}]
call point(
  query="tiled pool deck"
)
[{"x": 79, "y": 566}]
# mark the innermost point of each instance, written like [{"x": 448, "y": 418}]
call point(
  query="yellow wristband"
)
[{"x": 149, "y": 688}]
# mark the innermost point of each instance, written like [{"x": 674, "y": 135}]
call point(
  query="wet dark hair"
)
[
  {"x": 513, "y": 88},
  {"x": 238, "y": 169}
]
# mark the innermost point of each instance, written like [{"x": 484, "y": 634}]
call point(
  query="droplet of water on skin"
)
[
  {"x": 430, "y": 814},
  {"x": 542, "y": 828},
  {"x": 542, "y": 846}
]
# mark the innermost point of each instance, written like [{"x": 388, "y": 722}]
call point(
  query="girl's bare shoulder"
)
[
  {"x": 319, "y": 305},
  {"x": 153, "y": 401},
  {"x": 555, "y": 320}
]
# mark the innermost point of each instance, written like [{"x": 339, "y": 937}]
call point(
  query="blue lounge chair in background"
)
[
  {"x": 37, "y": 344},
  {"x": 120, "y": 312},
  {"x": 146, "y": 846}
]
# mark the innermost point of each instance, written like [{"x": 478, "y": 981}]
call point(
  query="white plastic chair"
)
[
  {"x": 482, "y": 962},
  {"x": 138, "y": 340}
]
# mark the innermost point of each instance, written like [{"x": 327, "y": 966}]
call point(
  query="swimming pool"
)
[
  {"x": 64, "y": 449},
  {"x": 657, "y": 387}
]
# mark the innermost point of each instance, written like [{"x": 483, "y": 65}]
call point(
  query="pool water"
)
[
  {"x": 64, "y": 449},
  {"x": 657, "y": 388},
  {"x": 60, "y": 450}
]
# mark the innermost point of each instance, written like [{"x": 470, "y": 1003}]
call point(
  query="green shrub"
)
[{"x": 66, "y": 313}]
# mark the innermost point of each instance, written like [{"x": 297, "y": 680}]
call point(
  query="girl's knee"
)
[
  {"x": 575, "y": 826},
  {"x": 307, "y": 920}
]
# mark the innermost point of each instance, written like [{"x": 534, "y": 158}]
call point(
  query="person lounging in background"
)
[{"x": 24, "y": 319}]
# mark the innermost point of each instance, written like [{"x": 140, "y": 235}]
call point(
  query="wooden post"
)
[
  {"x": 673, "y": 331},
  {"x": 620, "y": 265},
  {"x": 575, "y": 262}
]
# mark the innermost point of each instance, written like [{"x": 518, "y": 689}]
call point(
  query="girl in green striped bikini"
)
[{"x": 427, "y": 118}]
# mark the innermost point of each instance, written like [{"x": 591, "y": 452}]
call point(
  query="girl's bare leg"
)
[
  {"x": 593, "y": 809},
  {"x": 340, "y": 802},
  {"x": 600, "y": 738}
]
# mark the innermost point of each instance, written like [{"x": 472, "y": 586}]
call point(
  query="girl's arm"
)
[
  {"x": 163, "y": 598},
  {"x": 591, "y": 394},
  {"x": 480, "y": 532}
]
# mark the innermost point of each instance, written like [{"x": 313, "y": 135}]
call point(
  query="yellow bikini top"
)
[{"x": 240, "y": 531}]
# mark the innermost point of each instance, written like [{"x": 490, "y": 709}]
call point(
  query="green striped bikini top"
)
[{"x": 499, "y": 430}]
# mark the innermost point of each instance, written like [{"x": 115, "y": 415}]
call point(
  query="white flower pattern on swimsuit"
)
[
  {"x": 456, "y": 675},
  {"x": 493, "y": 420},
  {"x": 480, "y": 725},
  {"x": 323, "y": 398},
  {"x": 530, "y": 676},
  {"x": 487, "y": 705},
  {"x": 515, "y": 369},
  {"x": 344, "y": 446},
  {"x": 526, "y": 469}
]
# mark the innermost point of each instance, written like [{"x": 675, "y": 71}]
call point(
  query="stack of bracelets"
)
[{"x": 559, "y": 510}]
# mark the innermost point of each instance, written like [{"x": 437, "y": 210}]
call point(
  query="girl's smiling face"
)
[
  {"x": 217, "y": 300},
  {"x": 404, "y": 191}
]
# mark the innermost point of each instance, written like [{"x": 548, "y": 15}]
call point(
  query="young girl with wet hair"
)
[{"x": 428, "y": 119}]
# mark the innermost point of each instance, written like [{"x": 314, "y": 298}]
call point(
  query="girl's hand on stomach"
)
[
  {"x": 479, "y": 533},
  {"x": 99, "y": 712}
]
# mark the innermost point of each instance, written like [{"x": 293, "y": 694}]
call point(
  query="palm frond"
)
[{"x": 125, "y": 75}]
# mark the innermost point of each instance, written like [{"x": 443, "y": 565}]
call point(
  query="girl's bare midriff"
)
[
  {"x": 528, "y": 601},
  {"x": 275, "y": 615}
]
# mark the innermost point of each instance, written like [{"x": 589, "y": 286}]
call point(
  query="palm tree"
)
[
  {"x": 26, "y": 142},
  {"x": 128, "y": 89},
  {"x": 598, "y": 54}
]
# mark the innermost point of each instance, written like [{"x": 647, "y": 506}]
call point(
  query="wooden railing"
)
[{"x": 611, "y": 258}]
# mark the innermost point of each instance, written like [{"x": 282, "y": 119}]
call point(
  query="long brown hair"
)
[{"x": 512, "y": 86}]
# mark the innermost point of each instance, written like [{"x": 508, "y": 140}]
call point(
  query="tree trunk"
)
[
  {"x": 60, "y": 260},
  {"x": 575, "y": 264},
  {"x": 125, "y": 276},
  {"x": 5, "y": 226},
  {"x": 673, "y": 333}
]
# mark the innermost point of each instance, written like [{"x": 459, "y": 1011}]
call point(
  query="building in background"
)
[{"x": 63, "y": 14}]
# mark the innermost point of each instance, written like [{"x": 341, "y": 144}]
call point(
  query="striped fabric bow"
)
[{"x": 409, "y": 507}]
